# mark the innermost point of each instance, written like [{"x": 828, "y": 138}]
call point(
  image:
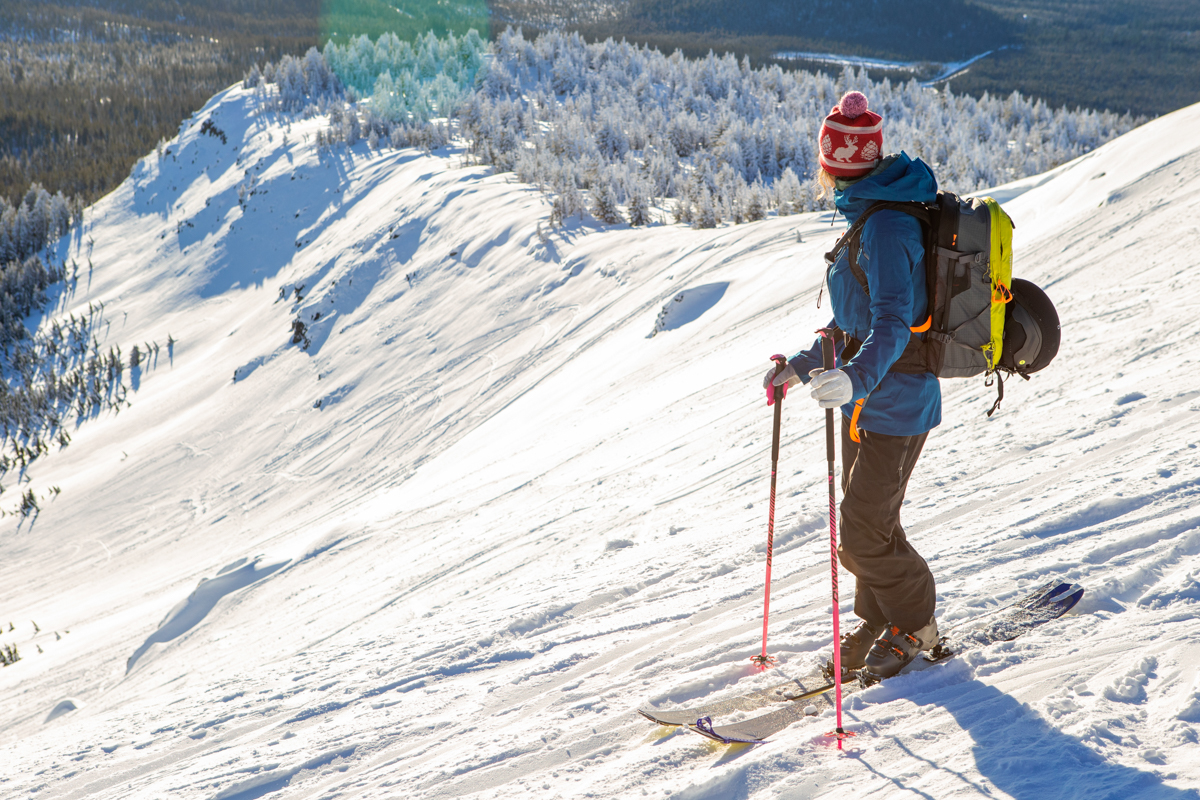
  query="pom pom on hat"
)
[
  {"x": 851, "y": 138},
  {"x": 853, "y": 104}
]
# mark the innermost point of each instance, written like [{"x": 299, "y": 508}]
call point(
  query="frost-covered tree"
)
[
  {"x": 711, "y": 138},
  {"x": 34, "y": 223},
  {"x": 639, "y": 206},
  {"x": 671, "y": 117},
  {"x": 604, "y": 204},
  {"x": 708, "y": 213}
]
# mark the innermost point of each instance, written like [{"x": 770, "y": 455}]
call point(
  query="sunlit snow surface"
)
[{"x": 451, "y": 547}]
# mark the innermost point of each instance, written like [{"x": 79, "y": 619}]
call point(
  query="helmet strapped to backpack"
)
[{"x": 1031, "y": 330}]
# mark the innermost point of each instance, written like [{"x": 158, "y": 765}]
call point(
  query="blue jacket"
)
[{"x": 892, "y": 254}]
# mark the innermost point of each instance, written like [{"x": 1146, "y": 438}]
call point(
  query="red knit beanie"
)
[{"x": 851, "y": 138}]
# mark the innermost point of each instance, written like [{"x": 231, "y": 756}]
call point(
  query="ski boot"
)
[
  {"x": 855, "y": 645},
  {"x": 895, "y": 650}
]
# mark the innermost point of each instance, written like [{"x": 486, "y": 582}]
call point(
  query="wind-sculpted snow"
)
[
  {"x": 192, "y": 611},
  {"x": 688, "y": 306},
  {"x": 509, "y": 517}
]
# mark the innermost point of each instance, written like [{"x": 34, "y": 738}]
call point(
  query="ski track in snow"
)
[{"x": 449, "y": 549}]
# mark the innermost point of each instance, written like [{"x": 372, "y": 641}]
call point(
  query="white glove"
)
[
  {"x": 831, "y": 388},
  {"x": 786, "y": 375}
]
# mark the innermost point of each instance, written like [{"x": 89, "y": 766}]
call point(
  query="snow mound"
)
[
  {"x": 688, "y": 306},
  {"x": 191, "y": 611},
  {"x": 64, "y": 706}
]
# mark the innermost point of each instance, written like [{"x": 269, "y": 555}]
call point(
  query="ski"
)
[
  {"x": 1046, "y": 603},
  {"x": 756, "y": 729},
  {"x": 789, "y": 692}
]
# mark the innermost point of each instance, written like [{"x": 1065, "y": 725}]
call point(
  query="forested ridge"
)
[
  {"x": 1142, "y": 57},
  {"x": 942, "y": 30},
  {"x": 624, "y": 133},
  {"x": 86, "y": 90}
]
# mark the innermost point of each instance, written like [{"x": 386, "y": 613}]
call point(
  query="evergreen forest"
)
[
  {"x": 89, "y": 86},
  {"x": 1122, "y": 55},
  {"x": 87, "y": 89},
  {"x": 614, "y": 131}
]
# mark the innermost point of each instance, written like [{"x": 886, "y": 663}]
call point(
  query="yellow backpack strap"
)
[{"x": 1000, "y": 259}]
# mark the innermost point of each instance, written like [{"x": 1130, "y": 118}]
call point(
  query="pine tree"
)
[
  {"x": 604, "y": 204},
  {"x": 756, "y": 202},
  {"x": 707, "y": 214},
  {"x": 639, "y": 207}
]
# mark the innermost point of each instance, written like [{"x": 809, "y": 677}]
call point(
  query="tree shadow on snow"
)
[{"x": 1028, "y": 759}]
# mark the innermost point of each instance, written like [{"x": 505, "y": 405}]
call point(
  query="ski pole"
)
[
  {"x": 775, "y": 395},
  {"x": 829, "y": 361}
]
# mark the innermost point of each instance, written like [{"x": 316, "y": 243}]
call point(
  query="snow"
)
[
  {"x": 945, "y": 70},
  {"x": 451, "y": 547}
]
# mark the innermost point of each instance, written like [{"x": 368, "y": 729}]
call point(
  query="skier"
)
[{"x": 886, "y": 415}]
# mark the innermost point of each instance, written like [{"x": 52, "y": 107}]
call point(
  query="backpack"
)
[{"x": 981, "y": 321}]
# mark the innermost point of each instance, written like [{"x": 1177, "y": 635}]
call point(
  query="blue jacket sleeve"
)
[
  {"x": 810, "y": 359},
  {"x": 891, "y": 251}
]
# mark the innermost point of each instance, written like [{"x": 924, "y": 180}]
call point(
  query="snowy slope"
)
[{"x": 514, "y": 488}]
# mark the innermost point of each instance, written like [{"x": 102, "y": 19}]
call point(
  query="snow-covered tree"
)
[
  {"x": 721, "y": 139},
  {"x": 639, "y": 206},
  {"x": 604, "y": 203}
]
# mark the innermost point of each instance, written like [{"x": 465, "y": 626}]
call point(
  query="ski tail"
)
[
  {"x": 1062, "y": 598},
  {"x": 705, "y": 728}
]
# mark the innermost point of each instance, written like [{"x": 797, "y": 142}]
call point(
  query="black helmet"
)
[{"x": 1031, "y": 331}]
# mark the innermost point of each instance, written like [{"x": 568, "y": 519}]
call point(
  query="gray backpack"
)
[{"x": 980, "y": 320}]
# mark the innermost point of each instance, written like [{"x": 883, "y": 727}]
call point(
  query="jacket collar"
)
[{"x": 897, "y": 178}]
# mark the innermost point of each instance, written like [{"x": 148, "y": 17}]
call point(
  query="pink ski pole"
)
[
  {"x": 775, "y": 395},
  {"x": 829, "y": 362}
]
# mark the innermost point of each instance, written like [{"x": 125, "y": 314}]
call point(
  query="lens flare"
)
[{"x": 342, "y": 20}]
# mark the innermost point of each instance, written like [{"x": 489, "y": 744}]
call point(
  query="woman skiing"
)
[{"x": 886, "y": 414}]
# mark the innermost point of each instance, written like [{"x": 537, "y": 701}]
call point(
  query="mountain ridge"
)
[{"x": 519, "y": 515}]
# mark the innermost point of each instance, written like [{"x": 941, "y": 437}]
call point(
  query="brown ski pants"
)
[{"x": 894, "y": 584}]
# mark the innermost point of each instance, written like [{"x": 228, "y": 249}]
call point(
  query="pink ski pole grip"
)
[{"x": 780, "y": 365}]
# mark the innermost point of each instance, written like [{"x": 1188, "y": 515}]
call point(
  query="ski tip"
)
[
  {"x": 1068, "y": 599},
  {"x": 1060, "y": 599},
  {"x": 1058, "y": 595},
  {"x": 1060, "y": 591},
  {"x": 653, "y": 718},
  {"x": 1040, "y": 595}
]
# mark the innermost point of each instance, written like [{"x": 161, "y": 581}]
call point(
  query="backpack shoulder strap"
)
[{"x": 852, "y": 237}]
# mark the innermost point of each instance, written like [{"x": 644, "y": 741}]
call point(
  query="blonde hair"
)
[{"x": 826, "y": 181}]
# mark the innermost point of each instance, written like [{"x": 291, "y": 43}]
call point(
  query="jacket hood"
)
[{"x": 898, "y": 179}]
